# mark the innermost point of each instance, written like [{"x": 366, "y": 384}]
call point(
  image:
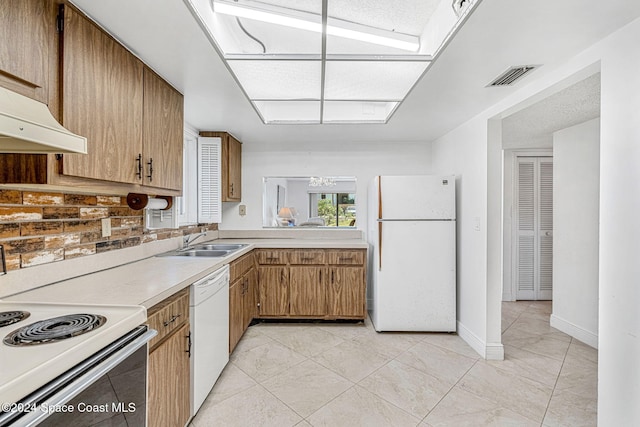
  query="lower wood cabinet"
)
[
  {"x": 169, "y": 368},
  {"x": 307, "y": 291},
  {"x": 236, "y": 314},
  {"x": 345, "y": 296},
  {"x": 273, "y": 290},
  {"x": 311, "y": 283},
  {"x": 242, "y": 297},
  {"x": 169, "y": 381}
]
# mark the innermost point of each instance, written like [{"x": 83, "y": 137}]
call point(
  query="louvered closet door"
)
[
  {"x": 534, "y": 228},
  {"x": 209, "y": 169}
]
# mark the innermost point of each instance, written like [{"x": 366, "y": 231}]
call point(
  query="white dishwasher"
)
[{"x": 209, "y": 315}]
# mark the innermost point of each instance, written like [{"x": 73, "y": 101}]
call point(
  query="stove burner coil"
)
[
  {"x": 10, "y": 317},
  {"x": 54, "y": 329}
]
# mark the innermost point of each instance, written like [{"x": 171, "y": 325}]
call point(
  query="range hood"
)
[{"x": 27, "y": 126}]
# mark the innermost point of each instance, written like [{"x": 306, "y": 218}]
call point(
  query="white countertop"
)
[{"x": 148, "y": 281}]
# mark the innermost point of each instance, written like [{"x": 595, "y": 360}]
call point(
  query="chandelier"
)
[{"x": 321, "y": 181}]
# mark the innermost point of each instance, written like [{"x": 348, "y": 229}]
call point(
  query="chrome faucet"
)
[{"x": 190, "y": 238}]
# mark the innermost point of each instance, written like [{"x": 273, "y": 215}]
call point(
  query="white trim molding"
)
[
  {"x": 574, "y": 331},
  {"x": 491, "y": 351}
]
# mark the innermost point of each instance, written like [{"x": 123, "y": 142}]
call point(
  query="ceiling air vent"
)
[{"x": 512, "y": 75}]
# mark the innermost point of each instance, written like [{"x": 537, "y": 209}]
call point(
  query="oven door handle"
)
[{"x": 68, "y": 385}]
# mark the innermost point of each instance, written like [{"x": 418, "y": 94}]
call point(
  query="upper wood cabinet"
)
[
  {"x": 232, "y": 170},
  {"x": 27, "y": 29},
  {"x": 163, "y": 116},
  {"x": 231, "y": 165},
  {"x": 95, "y": 87},
  {"x": 133, "y": 120},
  {"x": 102, "y": 95}
]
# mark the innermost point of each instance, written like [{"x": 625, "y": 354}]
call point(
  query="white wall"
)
[
  {"x": 576, "y": 199},
  {"x": 364, "y": 161},
  {"x": 619, "y": 308},
  {"x": 618, "y": 59},
  {"x": 463, "y": 152}
]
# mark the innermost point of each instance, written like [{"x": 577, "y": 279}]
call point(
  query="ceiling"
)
[
  {"x": 534, "y": 125},
  {"x": 498, "y": 34}
]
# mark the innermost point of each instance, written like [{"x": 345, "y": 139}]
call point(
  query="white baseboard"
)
[
  {"x": 507, "y": 296},
  {"x": 575, "y": 331},
  {"x": 493, "y": 351}
]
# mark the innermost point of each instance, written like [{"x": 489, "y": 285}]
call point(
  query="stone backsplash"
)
[{"x": 43, "y": 227}]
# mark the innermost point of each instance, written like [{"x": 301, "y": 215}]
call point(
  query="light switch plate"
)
[
  {"x": 242, "y": 209},
  {"x": 106, "y": 227}
]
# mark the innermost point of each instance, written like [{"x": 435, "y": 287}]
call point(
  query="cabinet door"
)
[
  {"x": 233, "y": 188},
  {"x": 236, "y": 316},
  {"x": 250, "y": 300},
  {"x": 273, "y": 290},
  {"x": 169, "y": 384},
  {"x": 27, "y": 33},
  {"x": 162, "y": 133},
  {"x": 307, "y": 290},
  {"x": 102, "y": 100},
  {"x": 346, "y": 293}
]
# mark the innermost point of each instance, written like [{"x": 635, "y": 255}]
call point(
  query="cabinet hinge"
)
[{"x": 60, "y": 19}]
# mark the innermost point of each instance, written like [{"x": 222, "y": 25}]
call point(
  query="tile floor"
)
[{"x": 323, "y": 374}]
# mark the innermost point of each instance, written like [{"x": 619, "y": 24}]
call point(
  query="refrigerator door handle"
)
[
  {"x": 379, "y": 223},
  {"x": 379, "y": 245}
]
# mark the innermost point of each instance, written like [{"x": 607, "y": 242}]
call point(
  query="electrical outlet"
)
[
  {"x": 476, "y": 223},
  {"x": 242, "y": 209},
  {"x": 106, "y": 227}
]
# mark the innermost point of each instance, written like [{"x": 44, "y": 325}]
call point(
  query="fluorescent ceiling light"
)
[{"x": 308, "y": 22}]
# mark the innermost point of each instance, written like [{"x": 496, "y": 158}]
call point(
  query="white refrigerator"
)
[{"x": 412, "y": 240}]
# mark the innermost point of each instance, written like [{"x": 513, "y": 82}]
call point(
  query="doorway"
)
[{"x": 533, "y": 228}]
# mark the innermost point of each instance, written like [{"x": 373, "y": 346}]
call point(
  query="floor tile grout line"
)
[
  {"x": 331, "y": 400},
  {"x": 284, "y": 403},
  {"x": 504, "y": 370},
  {"x": 388, "y": 359},
  {"x": 238, "y": 392},
  {"x": 556, "y": 383},
  {"x": 423, "y": 420}
]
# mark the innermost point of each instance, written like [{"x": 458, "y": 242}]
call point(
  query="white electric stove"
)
[{"x": 25, "y": 368}]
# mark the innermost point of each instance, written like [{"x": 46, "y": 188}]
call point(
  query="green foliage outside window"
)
[{"x": 342, "y": 212}]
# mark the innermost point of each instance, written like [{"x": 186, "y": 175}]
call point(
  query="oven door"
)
[{"x": 110, "y": 385}]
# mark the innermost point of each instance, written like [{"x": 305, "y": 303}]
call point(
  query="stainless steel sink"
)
[
  {"x": 219, "y": 246},
  {"x": 212, "y": 250},
  {"x": 199, "y": 252}
]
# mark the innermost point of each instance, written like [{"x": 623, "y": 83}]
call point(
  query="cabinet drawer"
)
[
  {"x": 272, "y": 257},
  {"x": 240, "y": 266},
  {"x": 168, "y": 315},
  {"x": 306, "y": 257},
  {"x": 348, "y": 257}
]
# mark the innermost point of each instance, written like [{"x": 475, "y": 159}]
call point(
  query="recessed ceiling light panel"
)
[{"x": 333, "y": 61}]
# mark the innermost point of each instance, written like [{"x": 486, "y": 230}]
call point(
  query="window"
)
[{"x": 337, "y": 209}]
